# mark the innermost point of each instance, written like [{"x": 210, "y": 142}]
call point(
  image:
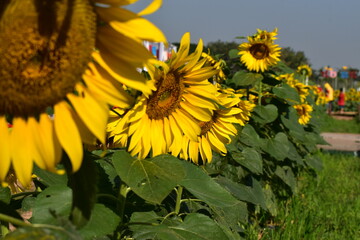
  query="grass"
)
[
  {"x": 326, "y": 207},
  {"x": 330, "y": 124}
]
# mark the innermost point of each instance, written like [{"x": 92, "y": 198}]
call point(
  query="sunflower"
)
[
  {"x": 303, "y": 110},
  {"x": 69, "y": 59},
  {"x": 217, "y": 132},
  {"x": 217, "y": 65},
  {"x": 183, "y": 96},
  {"x": 265, "y": 35},
  {"x": 304, "y": 70},
  {"x": 259, "y": 54}
]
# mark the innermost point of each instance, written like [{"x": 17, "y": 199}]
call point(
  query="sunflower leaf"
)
[
  {"x": 265, "y": 114},
  {"x": 287, "y": 93},
  {"x": 242, "y": 78},
  {"x": 195, "y": 226},
  {"x": 32, "y": 233},
  {"x": 152, "y": 179}
]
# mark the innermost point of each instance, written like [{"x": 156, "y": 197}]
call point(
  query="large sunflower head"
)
[
  {"x": 258, "y": 54},
  {"x": 303, "y": 110},
  {"x": 183, "y": 96},
  {"x": 218, "y": 131},
  {"x": 68, "y": 59}
]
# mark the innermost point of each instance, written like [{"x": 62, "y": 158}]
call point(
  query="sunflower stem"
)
[
  {"x": 14, "y": 221},
  {"x": 178, "y": 199},
  {"x": 123, "y": 191},
  {"x": 260, "y": 93}
]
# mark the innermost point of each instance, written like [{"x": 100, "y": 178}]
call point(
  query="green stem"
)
[
  {"x": 124, "y": 189},
  {"x": 260, "y": 93},
  {"x": 178, "y": 199},
  {"x": 14, "y": 221}
]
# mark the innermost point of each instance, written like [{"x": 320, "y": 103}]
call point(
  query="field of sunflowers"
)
[{"x": 116, "y": 144}]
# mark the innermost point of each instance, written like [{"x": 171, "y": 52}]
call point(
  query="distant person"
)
[
  {"x": 341, "y": 100},
  {"x": 329, "y": 93}
]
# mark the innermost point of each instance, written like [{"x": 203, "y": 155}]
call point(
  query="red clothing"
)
[{"x": 341, "y": 99}]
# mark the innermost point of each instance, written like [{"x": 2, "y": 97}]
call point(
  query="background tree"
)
[{"x": 293, "y": 58}]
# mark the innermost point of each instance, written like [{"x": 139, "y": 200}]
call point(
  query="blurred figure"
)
[
  {"x": 341, "y": 100},
  {"x": 329, "y": 93}
]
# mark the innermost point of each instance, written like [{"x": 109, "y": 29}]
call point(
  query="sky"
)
[{"x": 327, "y": 31}]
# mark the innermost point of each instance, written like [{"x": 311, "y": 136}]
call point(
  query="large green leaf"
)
[
  {"x": 252, "y": 194},
  {"x": 242, "y": 78},
  {"x": 5, "y": 195},
  {"x": 249, "y": 137},
  {"x": 286, "y": 174},
  {"x": 42, "y": 233},
  {"x": 205, "y": 188},
  {"x": 314, "y": 162},
  {"x": 195, "y": 227},
  {"x": 96, "y": 226},
  {"x": 278, "y": 146},
  {"x": 265, "y": 114},
  {"x": 55, "y": 199},
  {"x": 287, "y": 93},
  {"x": 151, "y": 179},
  {"x": 249, "y": 158},
  {"x": 49, "y": 178}
]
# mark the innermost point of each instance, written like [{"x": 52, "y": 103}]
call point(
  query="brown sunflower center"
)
[
  {"x": 166, "y": 98},
  {"x": 45, "y": 48},
  {"x": 206, "y": 126},
  {"x": 259, "y": 50}
]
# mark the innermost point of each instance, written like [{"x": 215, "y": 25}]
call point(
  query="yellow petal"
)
[
  {"x": 194, "y": 151},
  {"x": 188, "y": 126},
  {"x": 205, "y": 149},
  {"x": 178, "y": 59},
  {"x": 194, "y": 57},
  {"x": 93, "y": 112},
  {"x": 35, "y": 142},
  {"x": 104, "y": 86},
  {"x": 4, "y": 148},
  {"x": 199, "y": 101},
  {"x": 201, "y": 74},
  {"x": 68, "y": 134},
  {"x": 201, "y": 114},
  {"x": 51, "y": 149},
  {"x": 154, "y": 6},
  {"x": 155, "y": 138},
  {"x": 123, "y": 72},
  {"x": 20, "y": 151},
  {"x": 131, "y": 24},
  {"x": 216, "y": 144}
]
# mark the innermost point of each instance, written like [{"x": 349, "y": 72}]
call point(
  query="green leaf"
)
[
  {"x": 277, "y": 147},
  {"x": 195, "y": 227},
  {"x": 287, "y": 93},
  {"x": 242, "y": 78},
  {"x": 233, "y": 53},
  {"x": 270, "y": 200},
  {"x": 152, "y": 179},
  {"x": 250, "y": 137},
  {"x": 314, "y": 162},
  {"x": 205, "y": 188},
  {"x": 286, "y": 174},
  {"x": 250, "y": 159},
  {"x": 265, "y": 114},
  {"x": 49, "y": 178},
  {"x": 96, "y": 226},
  {"x": 5, "y": 195},
  {"x": 251, "y": 194},
  {"x": 31, "y": 233},
  {"x": 54, "y": 199}
]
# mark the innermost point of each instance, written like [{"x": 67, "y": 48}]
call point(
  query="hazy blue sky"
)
[{"x": 328, "y": 31}]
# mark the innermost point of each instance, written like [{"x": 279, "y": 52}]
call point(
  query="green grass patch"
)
[
  {"x": 330, "y": 124},
  {"x": 326, "y": 207}
]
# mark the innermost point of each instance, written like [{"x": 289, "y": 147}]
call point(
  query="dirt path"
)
[{"x": 341, "y": 142}]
